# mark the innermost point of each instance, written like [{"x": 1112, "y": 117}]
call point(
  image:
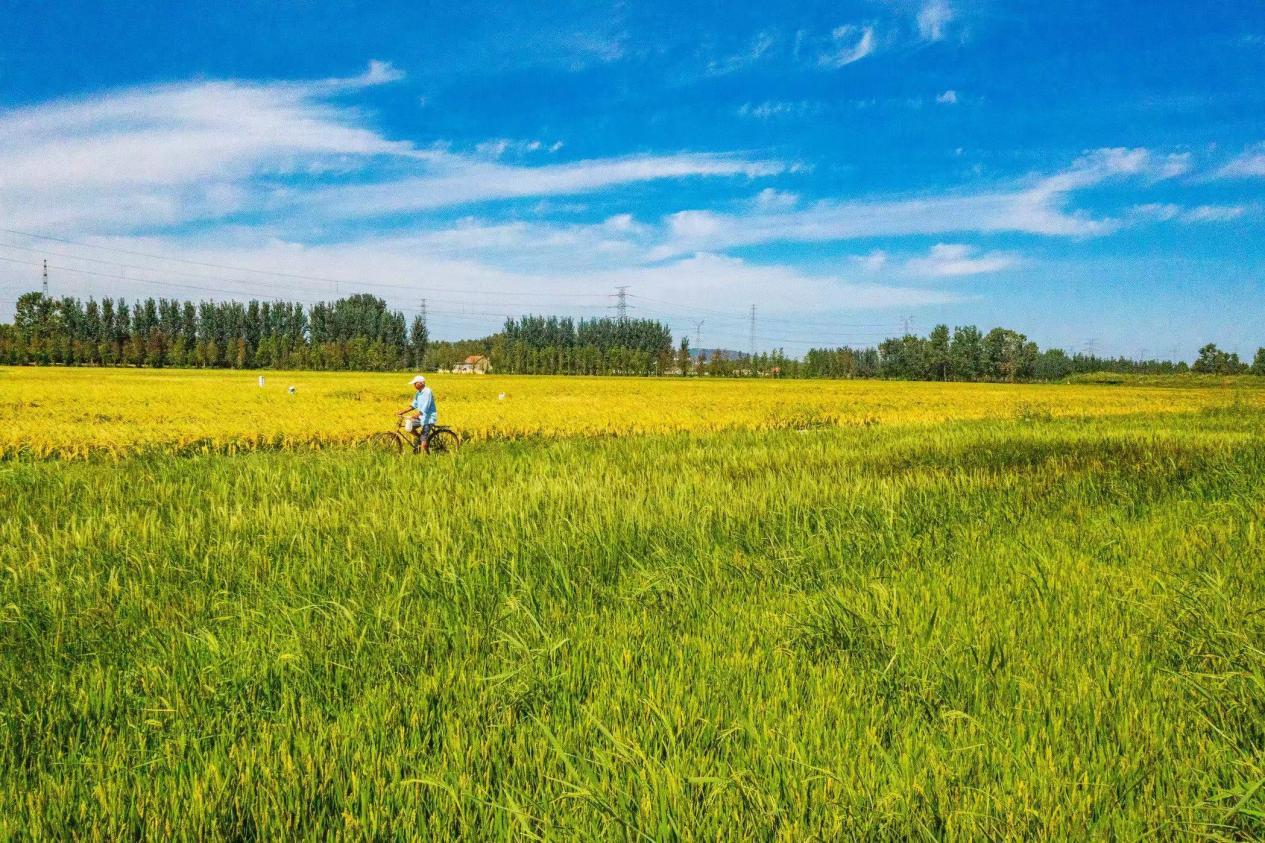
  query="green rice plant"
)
[{"x": 1002, "y": 629}]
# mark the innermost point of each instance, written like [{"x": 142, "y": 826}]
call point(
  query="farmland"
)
[
  {"x": 630, "y": 609},
  {"x": 74, "y": 412}
]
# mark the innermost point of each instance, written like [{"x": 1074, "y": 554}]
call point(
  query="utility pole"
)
[
  {"x": 753, "y": 338},
  {"x": 423, "y": 311},
  {"x": 907, "y": 320},
  {"x": 621, "y": 302},
  {"x": 45, "y": 277}
]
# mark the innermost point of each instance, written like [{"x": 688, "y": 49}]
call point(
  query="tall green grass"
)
[{"x": 1017, "y": 630}]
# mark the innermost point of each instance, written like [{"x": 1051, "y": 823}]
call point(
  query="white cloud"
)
[
  {"x": 470, "y": 293},
  {"x": 497, "y": 147},
  {"x": 1214, "y": 213},
  {"x": 762, "y": 44},
  {"x": 1248, "y": 165},
  {"x": 873, "y": 262},
  {"x": 1034, "y": 206},
  {"x": 770, "y": 199},
  {"x": 379, "y": 73},
  {"x": 1160, "y": 211},
  {"x": 849, "y": 43},
  {"x": 708, "y": 278},
  {"x": 949, "y": 97},
  {"x": 778, "y": 108},
  {"x": 933, "y": 20},
  {"x": 954, "y": 260},
  {"x": 175, "y": 154},
  {"x": 1166, "y": 212},
  {"x": 1176, "y": 164},
  {"x": 461, "y": 182},
  {"x": 162, "y": 155}
]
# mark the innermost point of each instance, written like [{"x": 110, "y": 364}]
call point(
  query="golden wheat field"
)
[{"x": 70, "y": 413}]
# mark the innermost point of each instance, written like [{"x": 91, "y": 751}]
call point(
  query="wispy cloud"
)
[
  {"x": 1214, "y": 213},
  {"x": 770, "y": 109},
  {"x": 176, "y": 154},
  {"x": 933, "y": 20},
  {"x": 849, "y": 43},
  {"x": 772, "y": 199},
  {"x": 171, "y": 153},
  {"x": 1169, "y": 211},
  {"x": 1033, "y": 206},
  {"x": 949, "y": 97},
  {"x": 498, "y": 147},
  {"x": 955, "y": 260},
  {"x": 762, "y": 46},
  {"x": 1250, "y": 164},
  {"x": 458, "y": 181}
]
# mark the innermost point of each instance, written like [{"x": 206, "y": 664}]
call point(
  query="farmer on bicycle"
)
[{"x": 424, "y": 405}]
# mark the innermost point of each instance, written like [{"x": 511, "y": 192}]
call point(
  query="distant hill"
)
[{"x": 725, "y": 353}]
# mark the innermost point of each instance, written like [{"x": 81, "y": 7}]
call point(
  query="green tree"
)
[
  {"x": 1214, "y": 361},
  {"x": 419, "y": 339},
  {"x": 1258, "y": 362},
  {"x": 939, "y": 356},
  {"x": 1053, "y": 364}
]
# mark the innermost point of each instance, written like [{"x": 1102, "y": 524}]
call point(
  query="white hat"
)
[{"x": 415, "y": 381}]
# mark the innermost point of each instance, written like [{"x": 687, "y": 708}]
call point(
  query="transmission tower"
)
[
  {"x": 46, "y": 277},
  {"x": 621, "y": 303},
  {"x": 698, "y": 335},
  {"x": 423, "y": 311}
]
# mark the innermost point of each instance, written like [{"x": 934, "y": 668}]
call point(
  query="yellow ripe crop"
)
[{"x": 64, "y": 413}]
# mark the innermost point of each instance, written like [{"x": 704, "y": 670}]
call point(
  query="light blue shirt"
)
[{"x": 424, "y": 403}]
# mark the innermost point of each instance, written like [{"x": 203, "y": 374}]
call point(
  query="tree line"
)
[
  {"x": 361, "y": 332},
  {"x": 357, "y": 332},
  {"x": 560, "y": 345}
]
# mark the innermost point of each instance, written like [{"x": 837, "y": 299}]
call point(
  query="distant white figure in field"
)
[
  {"x": 501, "y": 397},
  {"x": 261, "y": 381},
  {"x": 291, "y": 389}
]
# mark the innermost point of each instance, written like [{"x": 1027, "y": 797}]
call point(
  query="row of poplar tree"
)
[{"x": 360, "y": 332}]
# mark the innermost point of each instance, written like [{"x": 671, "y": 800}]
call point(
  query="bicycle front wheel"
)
[
  {"x": 386, "y": 443},
  {"x": 442, "y": 442}
]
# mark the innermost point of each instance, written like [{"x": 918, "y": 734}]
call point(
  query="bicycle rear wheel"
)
[
  {"x": 386, "y": 443},
  {"x": 442, "y": 441}
]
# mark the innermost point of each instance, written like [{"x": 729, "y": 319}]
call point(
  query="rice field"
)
[
  {"x": 75, "y": 413},
  {"x": 913, "y": 611}
]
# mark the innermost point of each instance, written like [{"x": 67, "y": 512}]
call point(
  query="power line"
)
[
  {"x": 286, "y": 290},
  {"x": 622, "y": 305},
  {"x": 742, "y": 317},
  {"x": 300, "y": 299},
  {"x": 230, "y": 268}
]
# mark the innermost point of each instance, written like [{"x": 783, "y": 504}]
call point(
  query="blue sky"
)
[{"x": 1080, "y": 171}]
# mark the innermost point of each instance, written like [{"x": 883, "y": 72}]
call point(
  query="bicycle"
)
[{"x": 440, "y": 440}]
